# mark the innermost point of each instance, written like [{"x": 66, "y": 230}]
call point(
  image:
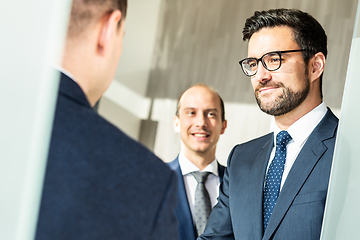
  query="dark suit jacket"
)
[
  {"x": 187, "y": 228},
  {"x": 99, "y": 183},
  {"x": 300, "y": 206}
]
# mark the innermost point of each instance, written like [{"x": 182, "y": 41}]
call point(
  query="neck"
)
[
  {"x": 201, "y": 160},
  {"x": 286, "y": 120},
  {"x": 83, "y": 76}
]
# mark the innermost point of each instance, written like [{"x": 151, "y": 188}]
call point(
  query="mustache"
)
[{"x": 269, "y": 84}]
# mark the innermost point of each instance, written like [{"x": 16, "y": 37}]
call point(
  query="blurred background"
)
[{"x": 170, "y": 45}]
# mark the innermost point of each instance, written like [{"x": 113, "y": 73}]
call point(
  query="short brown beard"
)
[{"x": 287, "y": 101}]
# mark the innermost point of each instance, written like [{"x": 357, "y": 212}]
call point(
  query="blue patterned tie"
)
[{"x": 274, "y": 175}]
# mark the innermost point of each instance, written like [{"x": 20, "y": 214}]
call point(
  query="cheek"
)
[
  {"x": 185, "y": 125},
  {"x": 253, "y": 82},
  {"x": 120, "y": 50},
  {"x": 300, "y": 80},
  {"x": 216, "y": 125}
]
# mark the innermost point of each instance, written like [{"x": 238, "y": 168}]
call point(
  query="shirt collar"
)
[
  {"x": 187, "y": 166},
  {"x": 302, "y": 128},
  {"x": 60, "y": 69}
]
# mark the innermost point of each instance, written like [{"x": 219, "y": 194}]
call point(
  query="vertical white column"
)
[
  {"x": 32, "y": 34},
  {"x": 341, "y": 219}
]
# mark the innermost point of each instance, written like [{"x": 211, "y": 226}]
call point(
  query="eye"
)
[
  {"x": 211, "y": 114},
  {"x": 274, "y": 59},
  {"x": 190, "y": 113},
  {"x": 251, "y": 63}
]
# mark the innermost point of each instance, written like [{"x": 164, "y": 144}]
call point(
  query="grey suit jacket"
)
[{"x": 298, "y": 213}]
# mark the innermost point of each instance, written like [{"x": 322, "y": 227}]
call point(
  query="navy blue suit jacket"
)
[
  {"x": 99, "y": 183},
  {"x": 187, "y": 228},
  {"x": 298, "y": 213}
]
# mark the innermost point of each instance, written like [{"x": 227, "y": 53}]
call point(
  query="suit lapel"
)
[
  {"x": 221, "y": 170},
  {"x": 182, "y": 210},
  {"x": 304, "y": 163},
  {"x": 308, "y": 157},
  {"x": 256, "y": 198}
]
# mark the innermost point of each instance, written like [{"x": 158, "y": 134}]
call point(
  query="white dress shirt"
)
[
  {"x": 212, "y": 182},
  {"x": 300, "y": 132}
]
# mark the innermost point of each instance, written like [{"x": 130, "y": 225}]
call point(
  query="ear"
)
[
  {"x": 317, "y": 64},
  {"x": 108, "y": 28},
  {"x": 224, "y": 126},
  {"x": 176, "y": 124}
]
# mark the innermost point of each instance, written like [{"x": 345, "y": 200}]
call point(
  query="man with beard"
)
[
  {"x": 200, "y": 120},
  {"x": 275, "y": 186}
]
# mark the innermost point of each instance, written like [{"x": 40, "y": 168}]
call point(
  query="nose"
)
[
  {"x": 262, "y": 74},
  {"x": 201, "y": 120}
]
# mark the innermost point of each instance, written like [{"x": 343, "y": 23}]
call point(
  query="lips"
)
[
  {"x": 268, "y": 86},
  {"x": 200, "y": 135},
  {"x": 264, "y": 89}
]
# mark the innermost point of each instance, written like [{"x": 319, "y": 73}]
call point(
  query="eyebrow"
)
[
  {"x": 212, "y": 109},
  {"x": 208, "y": 109}
]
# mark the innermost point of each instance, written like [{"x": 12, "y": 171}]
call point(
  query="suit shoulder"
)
[
  {"x": 257, "y": 141},
  {"x": 252, "y": 146},
  {"x": 250, "y": 149},
  {"x": 174, "y": 164},
  {"x": 80, "y": 132},
  {"x": 327, "y": 127}
]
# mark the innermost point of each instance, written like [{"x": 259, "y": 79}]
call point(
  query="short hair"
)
[
  {"x": 222, "y": 106},
  {"x": 308, "y": 33},
  {"x": 84, "y": 13}
]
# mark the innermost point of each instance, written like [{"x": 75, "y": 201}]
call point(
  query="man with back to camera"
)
[
  {"x": 289, "y": 167},
  {"x": 99, "y": 183},
  {"x": 200, "y": 120}
]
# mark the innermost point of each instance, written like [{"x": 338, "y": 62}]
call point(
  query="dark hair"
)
[
  {"x": 222, "y": 106},
  {"x": 87, "y": 12},
  {"x": 308, "y": 33}
]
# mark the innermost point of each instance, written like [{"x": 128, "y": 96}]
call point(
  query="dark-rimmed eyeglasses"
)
[{"x": 271, "y": 62}]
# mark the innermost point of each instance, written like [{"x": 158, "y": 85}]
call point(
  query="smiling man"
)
[
  {"x": 200, "y": 120},
  {"x": 275, "y": 186}
]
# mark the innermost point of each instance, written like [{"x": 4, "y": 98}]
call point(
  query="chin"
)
[{"x": 201, "y": 150}]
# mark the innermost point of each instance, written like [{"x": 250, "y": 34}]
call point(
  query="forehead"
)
[
  {"x": 199, "y": 97},
  {"x": 266, "y": 40}
]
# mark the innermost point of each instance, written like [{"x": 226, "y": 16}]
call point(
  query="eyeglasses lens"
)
[
  {"x": 249, "y": 66},
  {"x": 271, "y": 61}
]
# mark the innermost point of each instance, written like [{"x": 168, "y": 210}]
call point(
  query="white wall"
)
[
  {"x": 134, "y": 68},
  {"x": 341, "y": 220},
  {"x": 32, "y": 34}
]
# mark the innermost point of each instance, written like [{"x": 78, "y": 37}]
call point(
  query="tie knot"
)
[
  {"x": 200, "y": 176},
  {"x": 282, "y": 138}
]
